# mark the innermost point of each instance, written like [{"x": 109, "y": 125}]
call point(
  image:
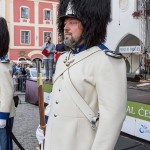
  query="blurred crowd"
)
[{"x": 19, "y": 74}]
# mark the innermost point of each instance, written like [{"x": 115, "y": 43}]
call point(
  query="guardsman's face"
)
[{"x": 72, "y": 30}]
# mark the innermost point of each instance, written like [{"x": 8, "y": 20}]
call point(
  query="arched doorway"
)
[
  {"x": 22, "y": 59},
  {"x": 132, "y": 59},
  {"x": 35, "y": 60},
  {"x": 127, "y": 65},
  {"x": 28, "y": 59}
]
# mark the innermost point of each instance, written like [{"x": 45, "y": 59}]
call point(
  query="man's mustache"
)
[{"x": 67, "y": 33}]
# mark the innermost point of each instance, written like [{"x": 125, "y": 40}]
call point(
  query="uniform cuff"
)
[
  {"x": 4, "y": 115},
  {"x": 46, "y": 119}
]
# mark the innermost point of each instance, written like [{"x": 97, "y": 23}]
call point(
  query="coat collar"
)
[{"x": 78, "y": 49}]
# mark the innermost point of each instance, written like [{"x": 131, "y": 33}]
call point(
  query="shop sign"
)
[{"x": 129, "y": 49}]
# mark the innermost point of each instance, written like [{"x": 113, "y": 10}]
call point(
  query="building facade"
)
[
  {"x": 2, "y": 8},
  {"x": 128, "y": 32},
  {"x": 30, "y": 21}
]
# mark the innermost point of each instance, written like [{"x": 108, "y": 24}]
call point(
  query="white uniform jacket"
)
[
  {"x": 101, "y": 81},
  {"x": 7, "y": 107}
]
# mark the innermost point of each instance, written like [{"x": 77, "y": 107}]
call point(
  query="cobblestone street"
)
[{"x": 25, "y": 124}]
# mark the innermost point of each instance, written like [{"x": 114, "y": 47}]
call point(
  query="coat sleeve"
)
[
  {"x": 6, "y": 93},
  {"x": 111, "y": 88}
]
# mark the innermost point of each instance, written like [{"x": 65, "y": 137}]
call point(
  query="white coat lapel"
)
[{"x": 62, "y": 66}]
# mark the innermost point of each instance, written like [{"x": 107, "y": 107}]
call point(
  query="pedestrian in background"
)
[
  {"x": 7, "y": 107},
  {"x": 23, "y": 70},
  {"x": 49, "y": 60},
  {"x": 60, "y": 48},
  {"x": 15, "y": 81},
  {"x": 89, "y": 99},
  {"x": 14, "y": 68}
]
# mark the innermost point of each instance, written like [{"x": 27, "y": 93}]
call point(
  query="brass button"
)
[{"x": 55, "y": 115}]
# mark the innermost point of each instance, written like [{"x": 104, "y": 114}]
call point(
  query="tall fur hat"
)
[
  {"x": 94, "y": 15},
  {"x": 4, "y": 37}
]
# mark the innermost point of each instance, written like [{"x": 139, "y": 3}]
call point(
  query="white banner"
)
[
  {"x": 46, "y": 97},
  {"x": 136, "y": 127},
  {"x": 129, "y": 125},
  {"x": 142, "y": 129}
]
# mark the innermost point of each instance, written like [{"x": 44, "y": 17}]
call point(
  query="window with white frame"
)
[
  {"x": 25, "y": 37},
  {"x": 46, "y": 34},
  {"x": 25, "y": 12},
  {"x": 47, "y": 14}
]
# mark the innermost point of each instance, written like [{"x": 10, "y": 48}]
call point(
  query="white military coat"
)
[
  {"x": 101, "y": 81},
  {"x": 7, "y": 107}
]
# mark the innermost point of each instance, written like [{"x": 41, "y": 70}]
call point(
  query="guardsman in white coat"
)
[
  {"x": 7, "y": 107},
  {"x": 89, "y": 96}
]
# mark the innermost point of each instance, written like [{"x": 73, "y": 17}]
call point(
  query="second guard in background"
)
[{"x": 7, "y": 107}]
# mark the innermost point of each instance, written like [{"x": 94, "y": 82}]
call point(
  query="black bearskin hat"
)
[
  {"x": 4, "y": 37},
  {"x": 94, "y": 15}
]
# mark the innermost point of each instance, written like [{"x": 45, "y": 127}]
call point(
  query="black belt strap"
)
[{"x": 13, "y": 137}]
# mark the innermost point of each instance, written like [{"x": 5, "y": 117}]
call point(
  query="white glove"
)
[
  {"x": 2, "y": 123},
  {"x": 40, "y": 135}
]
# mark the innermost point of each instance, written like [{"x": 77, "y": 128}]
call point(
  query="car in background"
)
[{"x": 32, "y": 74}]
